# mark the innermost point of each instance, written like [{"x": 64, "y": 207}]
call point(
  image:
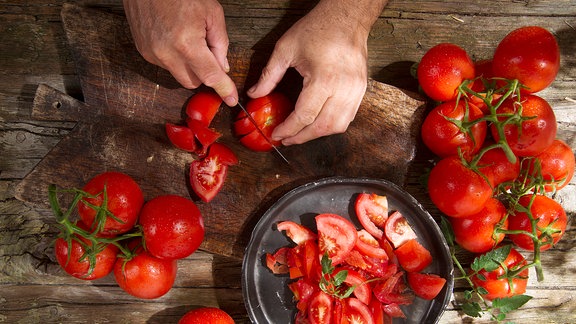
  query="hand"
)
[
  {"x": 187, "y": 38},
  {"x": 328, "y": 47}
]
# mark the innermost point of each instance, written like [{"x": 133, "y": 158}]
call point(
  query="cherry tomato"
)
[
  {"x": 533, "y": 135},
  {"x": 206, "y": 315},
  {"x": 442, "y": 69},
  {"x": 124, "y": 201},
  {"x": 556, "y": 165},
  {"x": 207, "y": 175},
  {"x": 182, "y": 137},
  {"x": 145, "y": 276},
  {"x": 203, "y": 106},
  {"x": 475, "y": 233},
  {"x": 498, "y": 169},
  {"x": 550, "y": 220},
  {"x": 372, "y": 212},
  {"x": 412, "y": 256},
  {"x": 268, "y": 112},
  {"x": 497, "y": 285},
  {"x": 296, "y": 232},
  {"x": 172, "y": 227},
  {"x": 397, "y": 229},
  {"x": 75, "y": 260},
  {"x": 425, "y": 285},
  {"x": 457, "y": 190},
  {"x": 529, "y": 54},
  {"x": 320, "y": 308},
  {"x": 336, "y": 236},
  {"x": 443, "y": 135}
]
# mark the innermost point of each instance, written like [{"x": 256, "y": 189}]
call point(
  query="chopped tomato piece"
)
[
  {"x": 369, "y": 246},
  {"x": 182, "y": 137},
  {"x": 425, "y": 285},
  {"x": 336, "y": 236},
  {"x": 362, "y": 289},
  {"x": 393, "y": 291},
  {"x": 397, "y": 230},
  {"x": 372, "y": 212},
  {"x": 206, "y": 136},
  {"x": 207, "y": 175},
  {"x": 412, "y": 256},
  {"x": 296, "y": 232},
  {"x": 277, "y": 262},
  {"x": 320, "y": 308},
  {"x": 203, "y": 106},
  {"x": 356, "y": 312}
]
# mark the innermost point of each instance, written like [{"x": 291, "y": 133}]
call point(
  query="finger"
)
[
  {"x": 217, "y": 39},
  {"x": 271, "y": 75}
]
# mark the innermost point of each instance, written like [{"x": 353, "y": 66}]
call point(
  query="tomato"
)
[
  {"x": 475, "y": 233},
  {"x": 207, "y": 175},
  {"x": 529, "y": 54},
  {"x": 442, "y": 69},
  {"x": 320, "y": 308},
  {"x": 206, "y": 136},
  {"x": 362, "y": 289},
  {"x": 356, "y": 312},
  {"x": 124, "y": 200},
  {"x": 425, "y": 285},
  {"x": 206, "y": 315},
  {"x": 412, "y": 256},
  {"x": 74, "y": 257},
  {"x": 457, "y": 190},
  {"x": 397, "y": 230},
  {"x": 556, "y": 165},
  {"x": 308, "y": 255},
  {"x": 203, "y": 106},
  {"x": 368, "y": 245},
  {"x": 145, "y": 276},
  {"x": 498, "y": 169},
  {"x": 303, "y": 290},
  {"x": 393, "y": 291},
  {"x": 182, "y": 137},
  {"x": 296, "y": 232},
  {"x": 336, "y": 236},
  {"x": 172, "y": 227},
  {"x": 372, "y": 212},
  {"x": 533, "y": 135},
  {"x": 550, "y": 220},
  {"x": 377, "y": 312},
  {"x": 278, "y": 262},
  {"x": 268, "y": 112},
  {"x": 499, "y": 286},
  {"x": 442, "y": 130},
  {"x": 373, "y": 266}
]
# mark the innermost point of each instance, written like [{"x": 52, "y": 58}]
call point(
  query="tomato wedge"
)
[
  {"x": 372, "y": 212},
  {"x": 412, "y": 256},
  {"x": 362, "y": 289},
  {"x": 369, "y": 246},
  {"x": 397, "y": 229},
  {"x": 207, "y": 175},
  {"x": 320, "y": 308},
  {"x": 425, "y": 285},
  {"x": 336, "y": 236},
  {"x": 203, "y": 106},
  {"x": 296, "y": 232},
  {"x": 181, "y": 136},
  {"x": 206, "y": 136},
  {"x": 356, "y": 312}
]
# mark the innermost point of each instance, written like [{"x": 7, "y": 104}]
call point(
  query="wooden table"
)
[{"x": 33, "y": 50}]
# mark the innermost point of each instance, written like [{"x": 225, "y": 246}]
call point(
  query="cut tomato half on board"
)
[
  {"x": 207, "y": 175},
  {"x": 336, "y": 236},
  {"x": 397, "y": 229},
  {"x": 372, "y": 212}
]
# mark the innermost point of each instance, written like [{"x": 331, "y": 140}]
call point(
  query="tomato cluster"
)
[
  {"x": 499, "y": 158},
  {"x": 344, "y": 275},
  {"x": 117, "y": 231}
]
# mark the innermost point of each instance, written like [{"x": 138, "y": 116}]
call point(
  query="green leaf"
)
[
  {"x": 472, "y": 309},
  {"x": 340, "y": 277},
  {"x": 326, "y": 263},
  {"x": 468, "y": 294},
  {"x": 508, "y": 304},
  {"x": 447, "y": 231},
  {"x": 491, "y": 260}
]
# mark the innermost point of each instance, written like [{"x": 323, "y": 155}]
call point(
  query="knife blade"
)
[{"x": 262, "y": 133}]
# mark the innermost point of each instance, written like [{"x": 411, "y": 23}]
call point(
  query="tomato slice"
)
[
  {"x": 296, "y": 232},
  {"x": 203, "y": 106},
  {"x": 412, "y": 256},
  {"x": 181, "y": 136},
  {"x": 337, "y": 236},
  {"x": 425, "y": 285},
  {"x": 369, "y": 246},
  {"x": 303, "y": 289},
  {"x": 362, "y": 289},
  {"x": 320, "y": 308},
  {"x": 372, "y": 212},
  {"x": 207, "y": 177},
  {"x": 225, "y": 155},
  {"x": 393, "y": 310},
  {"x": 393, "y": 291},
  {"x": 278, "y": 262},
  {"x": 397, "y": 229},
  {"x": 356, "y": 312}
]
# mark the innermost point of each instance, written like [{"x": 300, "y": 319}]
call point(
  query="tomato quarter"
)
[{"x": 336, "y": 236}]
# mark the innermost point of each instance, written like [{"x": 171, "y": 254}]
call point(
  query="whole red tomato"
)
[
  {"x": 124, "y": 201},
  {"x": 475, "y": 233},
  {"x": 145, "y": 276},
  {"x": 532, "y": 135},
  {"x": 206, "y": 315},
  {"x": 556, "y": 165},
  {"x": 457, "y": 190},
  {"x": 529, "y": 54},
  {"x": 442, "y": 130},
  {"x": 550, "y": 219},
  {"x": 499, "y": 286},
  {"x": 172, "y": 226},
  {"x": 442, "y": 69},
  {"x": 75, "y": 258},
  {"x": 268, "y": 112},
  {"x": 495, "y": 165}
]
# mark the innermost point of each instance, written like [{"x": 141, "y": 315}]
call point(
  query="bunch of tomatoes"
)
[{"x": 499, "y": 159}]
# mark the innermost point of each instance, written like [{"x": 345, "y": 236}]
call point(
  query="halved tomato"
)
[
  {"x": 412, "y": 256},
  {"x": 182, "y": 137},
  {"x": 207, "y": 175},
  {"x": 425, "y": 285},
  {"x": 372, "y": 212},
  {"x": 397, "y": 229},
  {"x": 203, "y": 106},
  {"x": 336, "y": 236}
]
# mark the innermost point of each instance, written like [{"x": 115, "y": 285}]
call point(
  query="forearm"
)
[{"x": 352, "y": 14}]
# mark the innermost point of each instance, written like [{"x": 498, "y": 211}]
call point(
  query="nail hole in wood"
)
[{"x": 57, "y": 104}]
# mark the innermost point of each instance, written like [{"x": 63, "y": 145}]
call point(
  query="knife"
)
[{"x": 262, "y": 133}]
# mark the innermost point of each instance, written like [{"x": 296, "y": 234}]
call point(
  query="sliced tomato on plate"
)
[
  {"x": 425, "y": 285},
  {"x": 397, "y": 229},
  {"x": 278, "y": 262},
  {"x": 320, "y": 308},
  {"x": 412, "y": 256},
  {"x": 336, "y": 236},
  {"x": 303, "y": 290},
  {"x": 182, "y": 137},
  {"x": 356, "y": 312},
  {"x": 296, "y": 232},
  {"x": 369, "y": 246},
  {"x": 207, "y": 175},
  {"x": 203, "y": 106},
  {"x": 362, "y": 289},
  {"x": 372, "y": 212}
]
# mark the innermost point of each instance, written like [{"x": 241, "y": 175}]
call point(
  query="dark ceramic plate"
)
[{"x": 267, "y": 297}]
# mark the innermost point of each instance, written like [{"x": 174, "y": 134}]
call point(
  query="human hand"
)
[
  {"x": 187, "y": 38},
  {"x": 328, "y": 47}
]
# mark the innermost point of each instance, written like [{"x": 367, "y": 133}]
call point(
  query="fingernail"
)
[
  {"x": 231, "y": 101},
  {"x": 226, "y": 66}
]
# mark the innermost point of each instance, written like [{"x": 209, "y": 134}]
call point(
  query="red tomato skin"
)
[
  {"x": 501, "y": 288},
  {"x": 475, "y": 233},
  {"x": 206, "y": 315},
  {"x": 372, "y": 212},
  {"x": 125, "y": 199},
  {"x": 456, "y": 190},
  {"x": 426, "y": 286},
  {"x": 495, "y": 165},
  {"x": 296, "y": 232},
  {"x": 370, "y": 246},
  {"x": 336, "y": 236},
  {"x": 442, "y": 69},
  {"x": 530, "y": 54},
  {"x": 145, "y": 276},
  {"x": 535, "y": 134},
  {"x": 181, "y": 137},
  {"x": 413, "y": 257},
  {"x": 79, "y": 268},
  {"x": 443, "y": 137},
  {"x": 547, "y": 211},
  {"x": 556, "y": 165},
  {"x": 203, "y": 106},
  {"x": 172, "y": 226}
]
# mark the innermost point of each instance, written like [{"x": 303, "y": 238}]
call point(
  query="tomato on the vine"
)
[
  {"x": 207, "y": 175},
  {"x": 529, "y": 54},
  {"x": 74, "y": 258},
  {"x": 497, "y": 285},
  {"x": 206, "y": 315},
  {"x": 556, "y": 165},
  {"x": 442, "y": 69},
  {"x": 172, "y": 227},
  {"x": 124, "y": 199},
  {"x": 549, "y": 218},
  {"x": 497, "y": 167}
]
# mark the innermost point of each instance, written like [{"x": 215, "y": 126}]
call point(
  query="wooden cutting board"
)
[{"x": 127, "y": 101}]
